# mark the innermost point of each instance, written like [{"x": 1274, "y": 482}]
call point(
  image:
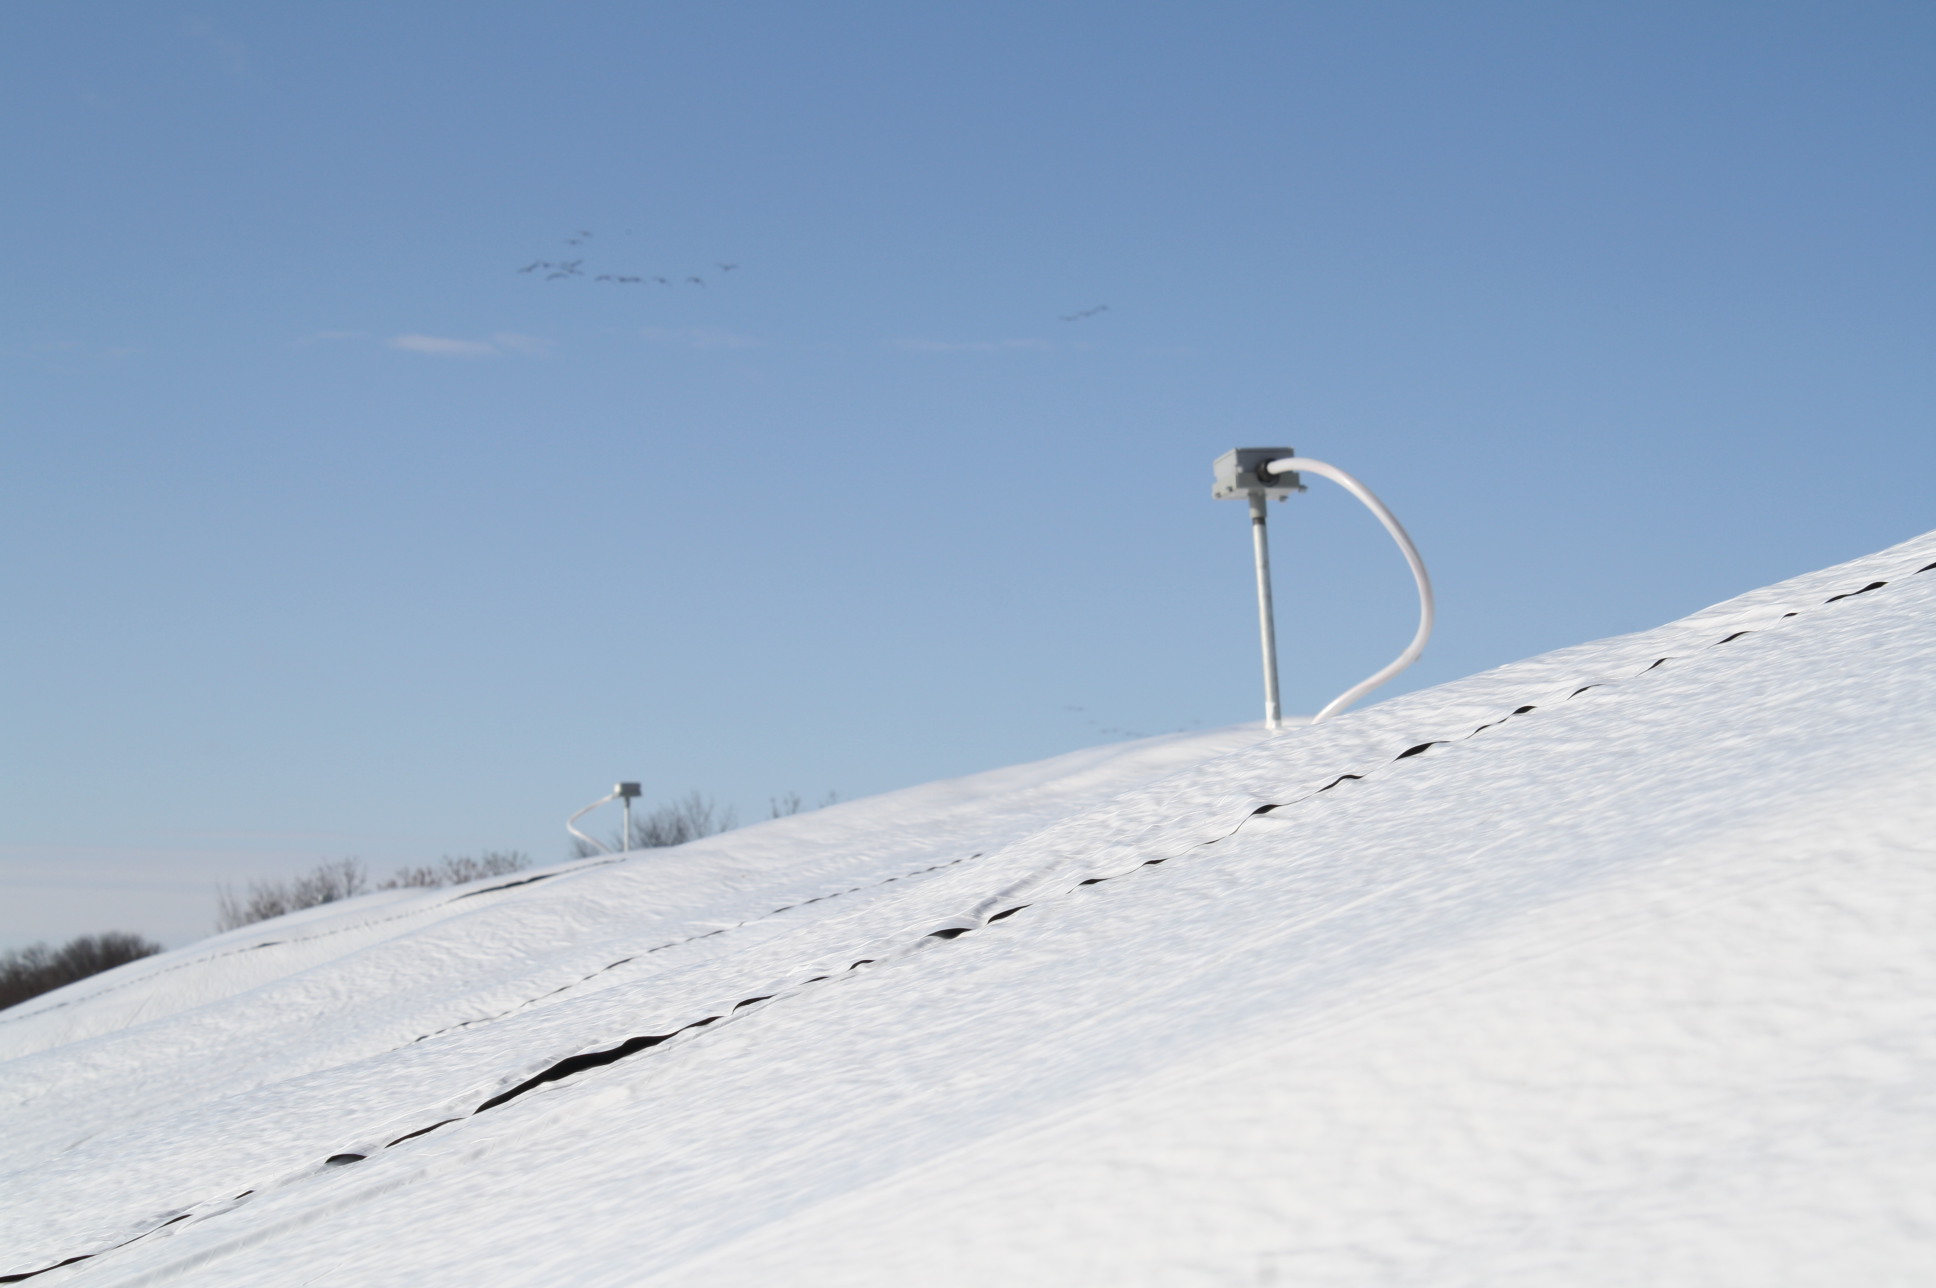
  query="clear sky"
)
[{"x": 324, "y": 531}]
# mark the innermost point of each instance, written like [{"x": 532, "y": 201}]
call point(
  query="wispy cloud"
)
[
  {"x": 972, "y": 346},
  {"x": 438, "y": 346},
  {"x": 699, "y": 337}
]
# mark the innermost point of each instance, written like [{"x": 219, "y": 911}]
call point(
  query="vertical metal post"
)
[
  {"x": 628, "y": 824},
  {"x": 1266, "y": 617}
]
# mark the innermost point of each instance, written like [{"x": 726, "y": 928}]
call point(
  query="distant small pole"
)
[{"x": 626, "y": 793}]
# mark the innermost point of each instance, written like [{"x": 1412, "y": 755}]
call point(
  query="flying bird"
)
[
  {"x": 727, "y": 268},
  {"x": 1086, "y": 313},
  {"x": 558, "y": 270}
]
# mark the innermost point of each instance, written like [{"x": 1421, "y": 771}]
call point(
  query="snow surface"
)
[{"x": 1614, "y": 966}]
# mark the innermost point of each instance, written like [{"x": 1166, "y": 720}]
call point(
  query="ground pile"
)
[{"x": 1607, "y": 967}]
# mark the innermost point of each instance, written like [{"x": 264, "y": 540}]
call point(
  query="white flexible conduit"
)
[
  {"x": 1305, "y": 465},
  {"x": 597, "y": 846}
]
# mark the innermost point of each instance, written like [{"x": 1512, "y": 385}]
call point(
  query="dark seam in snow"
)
[
  {"x": 1518, "y": 711},
  {"x": 29, "y": 1274},
  {"x": 508, "y": 885},
  {"x": 677, "y": 943},
  {"x": 86, "y": 1256},
  {"x": 1874, "y": 585},
  {"x": 412, "y": 1135},
  {"x": 1423, "y": 747},
  {"x": 631, "y": 1046},
  {"x": 589, "y": 1060}
]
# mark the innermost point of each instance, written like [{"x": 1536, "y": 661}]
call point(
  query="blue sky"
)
[{"x": 327, "y": 532}]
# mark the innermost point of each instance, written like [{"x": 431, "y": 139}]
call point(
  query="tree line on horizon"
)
[
  {"x": 689, "y": 818},
  {"x": 39, "y": 968},
  {"x": 345, "y": 879}
]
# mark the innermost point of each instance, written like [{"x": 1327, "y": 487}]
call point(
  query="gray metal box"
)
[{"x": 1236, "y": 472}]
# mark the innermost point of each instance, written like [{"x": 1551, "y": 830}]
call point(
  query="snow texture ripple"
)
[{"x": 1613, "y": 966}]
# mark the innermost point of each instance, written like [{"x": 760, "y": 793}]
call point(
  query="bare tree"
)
[
  {"x": 345, "y": 879},
  {"x": 458, "y": 869},
  {"x": 326, "y": 883},
  {"x": 687, "y": 819}
]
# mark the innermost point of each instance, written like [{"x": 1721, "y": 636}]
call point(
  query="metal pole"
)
[
  {"x": 1266, "y": 618},
  {"x": 628, "y": 824}
]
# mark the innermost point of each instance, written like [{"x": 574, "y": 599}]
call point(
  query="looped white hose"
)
[
  {"x": 597, "y": 846},
  {"x": 1304, "y": 464}
]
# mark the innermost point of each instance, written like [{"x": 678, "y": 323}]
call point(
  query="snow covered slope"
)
[{"x": 1613, "y": 966}]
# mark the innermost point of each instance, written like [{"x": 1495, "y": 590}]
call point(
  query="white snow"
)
[{"x": 1633, "y": 986}]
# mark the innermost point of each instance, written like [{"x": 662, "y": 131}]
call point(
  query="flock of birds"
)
[{"x": 558, "y": 270}]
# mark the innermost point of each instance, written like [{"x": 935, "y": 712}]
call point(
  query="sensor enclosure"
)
[
  {"x": 1237, "y": 476},
  {"x": 626, "y": 791}
]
